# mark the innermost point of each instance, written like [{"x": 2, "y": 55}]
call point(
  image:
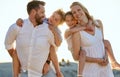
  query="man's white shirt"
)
[{"x": 32, "y": 45}]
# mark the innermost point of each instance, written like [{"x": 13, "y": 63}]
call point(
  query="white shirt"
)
[
  {"x": 32, "y": 45},
  {"x": 56, "y": 28},
  {"x": 69, "y": 43},
  {"x": 59, "y": 32}
]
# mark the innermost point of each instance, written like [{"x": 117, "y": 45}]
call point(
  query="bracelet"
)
[
  {"x": 80, "y": 48},
  {"x": 80, "y": 75},
  {"x": 48, "y": 61}
]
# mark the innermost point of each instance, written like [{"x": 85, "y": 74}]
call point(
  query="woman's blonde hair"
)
[
  {"x": 85, "y": 11},
  {"x": 83, "y": 8}
]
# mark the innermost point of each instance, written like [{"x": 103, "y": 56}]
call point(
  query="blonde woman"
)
[{"x": 92, "y": 43}]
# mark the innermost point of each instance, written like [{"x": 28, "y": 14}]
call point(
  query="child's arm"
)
[
  {"x": 73, "y": 30},
  {"x": 46, "y": 66},
  {"x": 57, "y": 37},
  {"x": 76, "y": 44},
  {"x": 52, "y": 55},
  {"x": 54, "y": 59}
]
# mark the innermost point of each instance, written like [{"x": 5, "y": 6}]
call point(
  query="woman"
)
[
  {"x": 71, "y": 22},
  {"x": 91, "y": 42},
  {"x": 74, "y": 27}
]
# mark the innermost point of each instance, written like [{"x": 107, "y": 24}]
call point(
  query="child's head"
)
[
  {"x": 70, "y": 20},
  {"x": 57, "y": 18}
]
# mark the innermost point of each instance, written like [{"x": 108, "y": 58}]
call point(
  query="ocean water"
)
[{"x": 68, "y": 70}]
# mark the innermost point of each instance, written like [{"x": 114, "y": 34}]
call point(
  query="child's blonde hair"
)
[{"x": 61, "y": 13}]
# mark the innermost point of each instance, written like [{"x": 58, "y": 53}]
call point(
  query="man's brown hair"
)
[{"x": 34, "y": 5}]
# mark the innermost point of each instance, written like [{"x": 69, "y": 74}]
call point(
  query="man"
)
[{"x": 33, "y": 41}]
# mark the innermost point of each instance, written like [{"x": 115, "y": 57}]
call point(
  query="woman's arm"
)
[
  {"x": 76, "y": 44},
  {"x": 94, "y": 60},
  {"x": 101, "y": 27}
]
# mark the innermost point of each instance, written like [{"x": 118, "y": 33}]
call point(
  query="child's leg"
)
[
  {"x": 54, "y": 58},
  {"x": 78, "y": 53},
  {"x": 82, "y": 60},
  {"x": 108, "y": 47},
  {"x": 16, "y": 65}
]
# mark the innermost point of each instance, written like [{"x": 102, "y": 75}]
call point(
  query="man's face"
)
[{"x": 40, "y": 15}]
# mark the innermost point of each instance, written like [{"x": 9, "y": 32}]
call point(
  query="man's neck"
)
[{"x": 32, "y": 20}]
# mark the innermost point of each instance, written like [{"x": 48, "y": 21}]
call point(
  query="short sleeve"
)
[{"x": 51, "y": 39}]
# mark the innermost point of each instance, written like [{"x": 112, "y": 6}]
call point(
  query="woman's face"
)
[
  {"x": 78, "y": 12},
  {"x": 55, "y": 19},
  {"x": 70, "y": 21}
]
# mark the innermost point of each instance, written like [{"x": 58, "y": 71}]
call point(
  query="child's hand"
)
[
  {"x": 76, "y": 29},
  {"x": 89, "y": 26},
  {"x": 103, "y": 62},
  {"x": 19, "y": 22},
  {"x": 59, "y": 74},
  {"x": 46, "y": 68}
]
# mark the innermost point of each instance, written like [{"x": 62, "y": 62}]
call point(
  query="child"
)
[
  {"x": 71, "y": 22},
  {"x": 54, "y": 21}
]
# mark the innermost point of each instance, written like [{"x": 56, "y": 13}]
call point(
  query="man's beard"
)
[{"x": 39, "y": 20}]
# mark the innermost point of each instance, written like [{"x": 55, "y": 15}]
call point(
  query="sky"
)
[{"x": 107, "y": 11}]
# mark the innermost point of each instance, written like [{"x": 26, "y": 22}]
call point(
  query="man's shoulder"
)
[
  {"x": 26, "y": 20},
  {"x": 13, "y": 26},
  {"x": 45, "y": 25}
]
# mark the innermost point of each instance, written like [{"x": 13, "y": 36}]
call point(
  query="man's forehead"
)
[{"x": 41, "y": 6}]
